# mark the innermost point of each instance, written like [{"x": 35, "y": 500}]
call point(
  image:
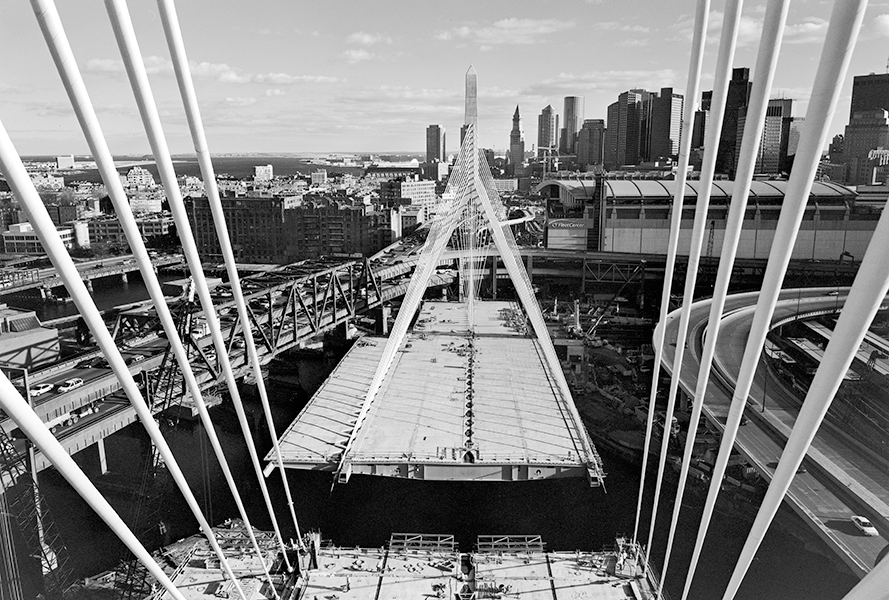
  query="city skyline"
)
[{"x": 331, "y": 80}]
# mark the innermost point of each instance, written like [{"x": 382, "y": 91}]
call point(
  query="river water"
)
[{"x": 792, "y": 564}]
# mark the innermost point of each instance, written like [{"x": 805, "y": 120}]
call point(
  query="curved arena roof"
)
[{"x": 663, "y": 189}]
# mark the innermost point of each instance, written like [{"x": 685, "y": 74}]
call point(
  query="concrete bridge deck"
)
[{"x": 452, "y": 406}]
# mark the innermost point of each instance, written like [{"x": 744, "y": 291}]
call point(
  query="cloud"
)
[
  {"x": 367, "y": 39},
  {"x": 153, "y": 65},
  {"x": 285, "y": 79},
  {"x": 880, "y": 25},
  {"x": 615, "y": 26},
  {"x": 601, "y": 80},
  {"x": 240, "y": 102},
  {"x": 354, "y": 56},
  {"x": 221, "y": 72},
  {"x": 506, "y": 31},
  {"x": 811, "y": 29},
  {"x": 275, "y": 92}
]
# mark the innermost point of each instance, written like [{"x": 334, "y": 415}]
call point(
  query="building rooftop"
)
[{"x": 663, "y": 189}]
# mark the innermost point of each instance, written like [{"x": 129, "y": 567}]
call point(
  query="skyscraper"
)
[
  {"x": 572, "y": 120},
  {"x": 623, "y": 137},
  {"x": 738, "y": 96},
  {"x": 773, "y": 145},
  {"x": 547, "y": 129},
  {"x": 868, "y": 130},
  {"x": 869, "y": 92},
  {"x": 435, "y": 144},
  {"x": 516, "y": 143},
  {"x": 591, "y": 142},
  {"x": 665, "y": 124}
]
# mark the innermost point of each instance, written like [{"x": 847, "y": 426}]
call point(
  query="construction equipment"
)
[{"x": 601, "y": 311}]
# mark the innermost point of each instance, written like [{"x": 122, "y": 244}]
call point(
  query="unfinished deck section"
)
[
  {"x": 459, "y": 403},
  {"x": 418, "y": 570}
]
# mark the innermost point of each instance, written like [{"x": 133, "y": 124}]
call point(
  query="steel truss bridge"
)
[{"x": 287, "y": 308}]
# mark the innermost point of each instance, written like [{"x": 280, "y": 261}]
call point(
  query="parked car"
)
[
  {"x": 70, "y": 384},
  {"x": 864, "y": 526},
  {"x": 40, "y": 388}
]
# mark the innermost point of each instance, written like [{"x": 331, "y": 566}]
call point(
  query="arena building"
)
[{"x": 633, "y": 216}]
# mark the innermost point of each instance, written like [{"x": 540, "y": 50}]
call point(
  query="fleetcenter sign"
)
[
  {"x": 567, "y": 224},
  {"x": 566, "y": 234}
]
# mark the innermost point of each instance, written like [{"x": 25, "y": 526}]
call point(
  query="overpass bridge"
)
[
  {"x": 45, "y": 280},
  {"x": 843, "y": 478},
  {"x": 287, "y": 308},
  {"x": 598, "y": 267}
]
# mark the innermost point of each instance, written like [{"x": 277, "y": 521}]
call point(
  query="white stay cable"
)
[
  {"x": 173, "y": 34},
  {"x": 836, "y": 54},
  {"x": 57, "y": 41},
  {"x": 132, "y": 59},
  {"x": 36, "y": 214},
  {"x": 727, "y": 43},
  {"x": 27, "y": 420},
  {"x": 867, "y": 293},
  {"x": 874, "y": 586},
  {"x": 692, "y": 90},
  {"x": 508, "y": 250},
  {"x": 767, "y": 59}
]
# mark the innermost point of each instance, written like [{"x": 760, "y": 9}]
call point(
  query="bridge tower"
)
[{"x": 470, "y": 219}]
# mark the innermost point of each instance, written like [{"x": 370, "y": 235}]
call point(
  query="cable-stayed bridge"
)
[{"x": 470, "y": 220}]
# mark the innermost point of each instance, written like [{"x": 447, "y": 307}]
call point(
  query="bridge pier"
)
[
  {"x": 103, "y": 460},
  {"x": 494, "y": 262},
  {"x": 89, "y": 285},
  {"x": 387, "y": 312}
]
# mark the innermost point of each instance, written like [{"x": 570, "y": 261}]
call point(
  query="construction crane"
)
[{"x": 602, "y": 310}]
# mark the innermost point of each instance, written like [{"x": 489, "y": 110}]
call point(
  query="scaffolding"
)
[{"x": 37, "y": 555}]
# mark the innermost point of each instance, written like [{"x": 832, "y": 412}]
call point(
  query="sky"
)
[{"x": 370, "y": 76}]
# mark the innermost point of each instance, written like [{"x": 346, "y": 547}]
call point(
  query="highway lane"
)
[{"x": 814, "y": 495}]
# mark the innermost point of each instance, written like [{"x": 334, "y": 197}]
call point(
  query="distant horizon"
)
[{"x": 362, "y": 80}]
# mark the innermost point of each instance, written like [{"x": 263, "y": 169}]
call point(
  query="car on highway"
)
[
  {"x": 40, "y": 388},
  {"x": 864, "y": 526},
  {"x": 92, "y": 363},
  {"x": 70, "y": 384},
  {"x": 134, "y": 358}
]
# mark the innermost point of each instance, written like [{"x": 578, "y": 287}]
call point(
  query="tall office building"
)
[
  {"x": 435, "y": 144},
  {"x": 868, "y": 130},
  {"x": 516, "y": 143},
  {"x": 796, "y": 128},
  {"x": 774, "y": 142},
  {"x": 591, "y": 142},
  {"x": 702, "y": 115},
  {"x": 547, "y": 130},
  {"x": 624, "y": 135},
  {"x": 869, "y": 93},
  {"x": 738, "y": 96},
  {"x": 665, "y": 124},
  {"x": 572, "y": 119}
]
